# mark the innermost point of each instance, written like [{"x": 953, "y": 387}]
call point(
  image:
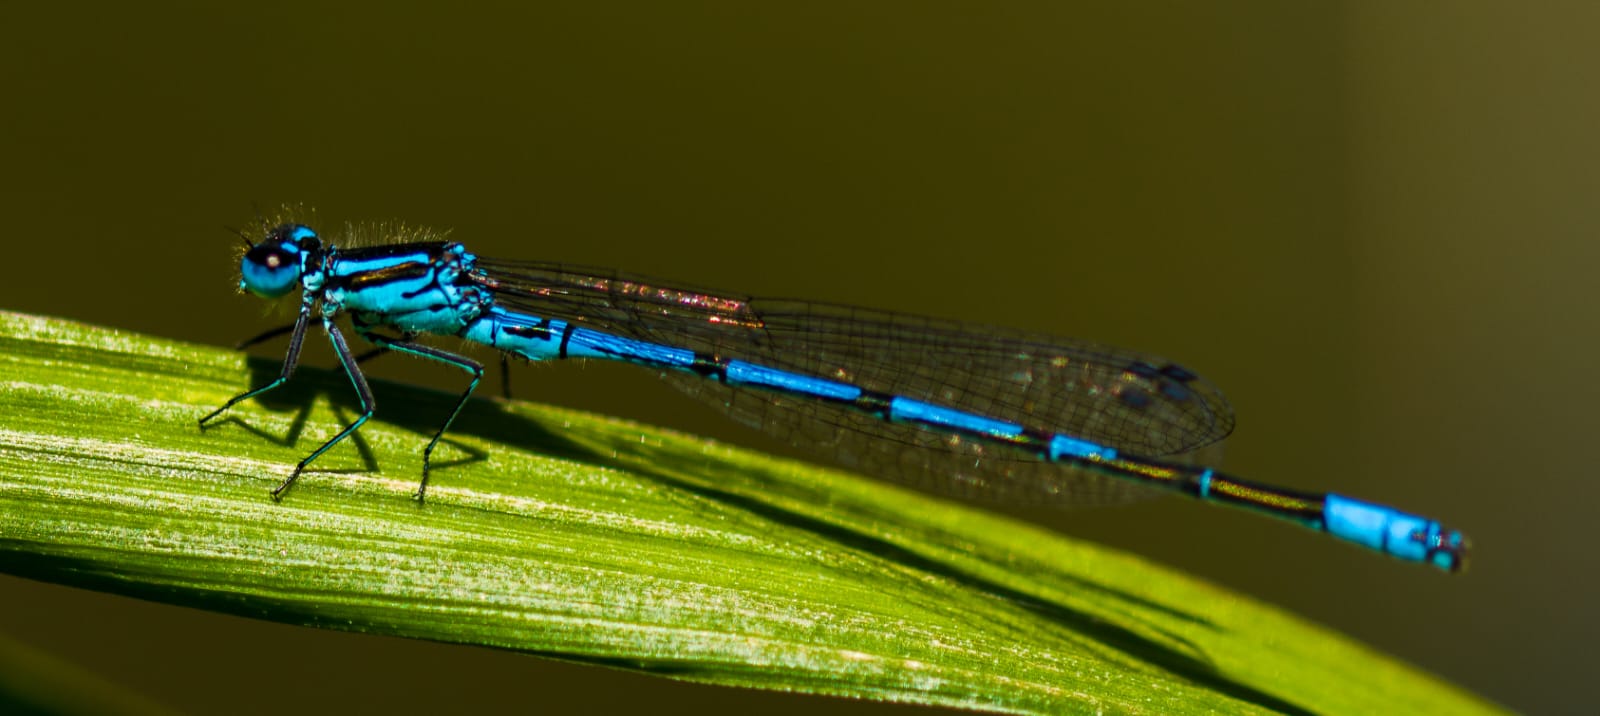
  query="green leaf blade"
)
[{"x": 577, "y": 537}]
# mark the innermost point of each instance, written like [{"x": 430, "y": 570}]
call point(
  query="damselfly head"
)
[{"x": 273, "y": 266}]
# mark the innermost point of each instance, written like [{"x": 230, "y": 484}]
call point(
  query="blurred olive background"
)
[{"x": 1374, "y": 226}]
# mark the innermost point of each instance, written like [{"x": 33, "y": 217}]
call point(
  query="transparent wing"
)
[{"x": 1131, "y": 401}]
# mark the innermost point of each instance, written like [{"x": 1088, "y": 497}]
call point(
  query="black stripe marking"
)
[
  {"x": 1193, "y": 486},
  {"x": 1302, "y": 506},
  {"x": 434, "y": 249},
  {"x": 1036, "y": 440},
  {"x": 566, "y": 337},
  {"x": 875, "y": 403},
  {"x": 538, "y": 331},
  {"x": 378, "y": 277},
  {"x": 707, "y": 365}
]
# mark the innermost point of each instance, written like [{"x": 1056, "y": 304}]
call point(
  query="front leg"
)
[
  {"x": 297, "y": 334},
  {"x": 347, "y": 360}
]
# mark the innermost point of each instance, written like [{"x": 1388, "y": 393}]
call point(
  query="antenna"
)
[{"x": 241, "y": 235}]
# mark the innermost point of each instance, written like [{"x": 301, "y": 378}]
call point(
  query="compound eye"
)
[{"x": 270, "y": 270}]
